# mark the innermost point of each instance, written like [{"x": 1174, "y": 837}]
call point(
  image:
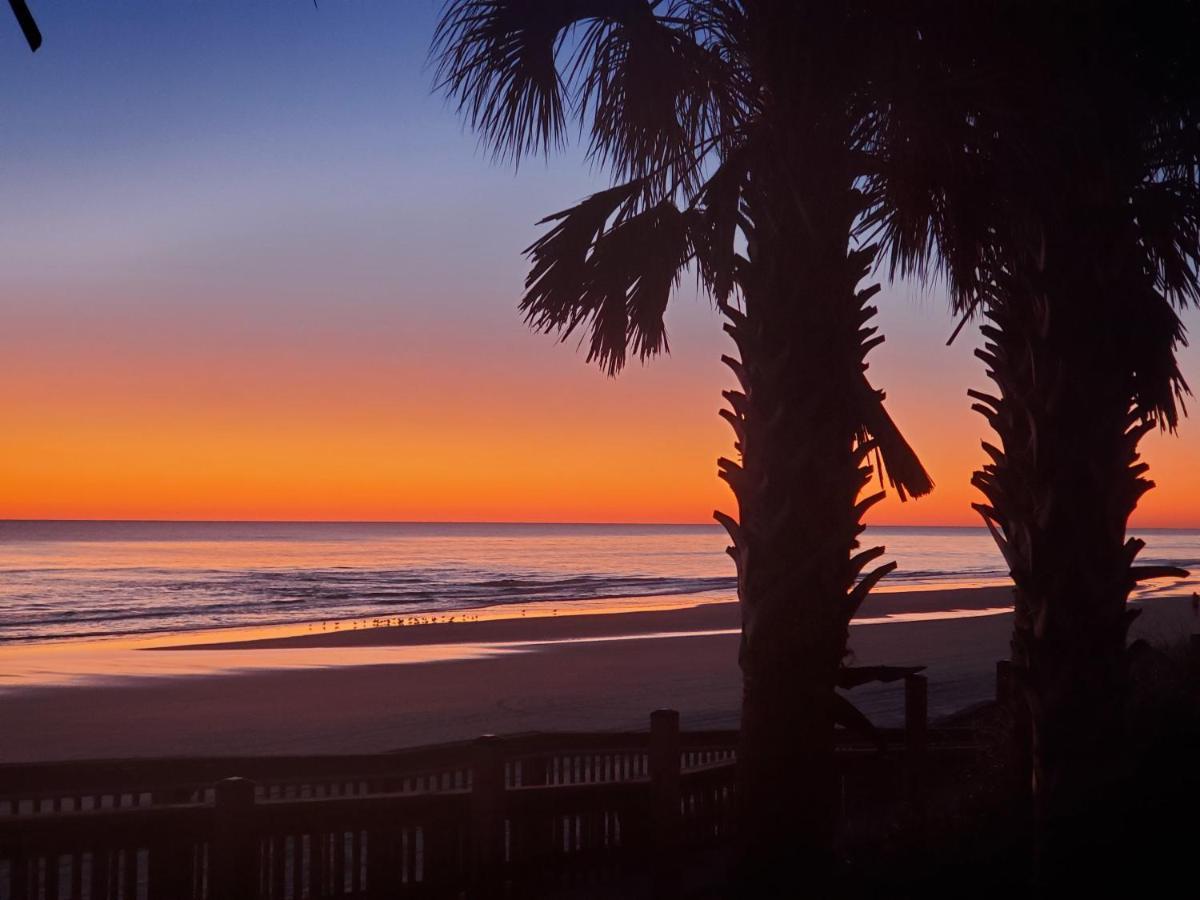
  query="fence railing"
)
[{"x": 518, "y": 811}]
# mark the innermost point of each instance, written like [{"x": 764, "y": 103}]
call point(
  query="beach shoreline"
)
[
  {"x": 564, "y": 621},
  {"x": 359, "y": 691}
]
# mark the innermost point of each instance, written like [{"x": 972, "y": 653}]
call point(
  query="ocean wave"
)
[
  {"x": 263, "y": 574},
  {"x": 277, "y": 597}
]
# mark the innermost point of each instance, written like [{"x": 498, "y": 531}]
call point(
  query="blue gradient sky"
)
[{"x": 251, "y": 267}]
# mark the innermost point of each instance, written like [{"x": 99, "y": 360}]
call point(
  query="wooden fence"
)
[{"x": 511, "y": 816}]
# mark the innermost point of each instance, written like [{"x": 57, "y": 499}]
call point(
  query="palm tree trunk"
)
[
  {"x": 1060, "y": 490},
  {"x": 797, "y": 487}
]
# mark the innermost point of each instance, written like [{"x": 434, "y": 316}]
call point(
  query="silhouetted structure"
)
[{"x": 517, "y": 816}]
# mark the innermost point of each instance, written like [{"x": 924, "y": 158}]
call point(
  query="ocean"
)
[{"x": 72, "y": 580}]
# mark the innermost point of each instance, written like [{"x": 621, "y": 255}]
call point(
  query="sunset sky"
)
[{"x": 252, "y": 268}]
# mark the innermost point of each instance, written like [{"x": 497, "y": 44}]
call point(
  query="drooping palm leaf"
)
[
  {"x": 715, "y": 238},
  {"x": 1167, "y": 213},
  {"x": 614, "y": 278},
  {"x": 904, "y": 469},
  {"x": 559, "y": 271}
]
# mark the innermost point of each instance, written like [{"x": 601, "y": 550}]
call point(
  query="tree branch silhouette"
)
[{"x": 28, "y": 26}]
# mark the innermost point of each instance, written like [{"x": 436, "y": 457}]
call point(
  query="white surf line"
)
[{"x": 658, "y": 635}]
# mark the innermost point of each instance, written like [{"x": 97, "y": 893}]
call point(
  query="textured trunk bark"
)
[
  {"x": 1060, "y": 490},
  {"x": 797, "y": 487},
  {"x": 803, "y": 419}
]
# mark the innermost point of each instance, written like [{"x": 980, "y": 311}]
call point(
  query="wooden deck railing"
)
[{"x": 521, "y": 811}]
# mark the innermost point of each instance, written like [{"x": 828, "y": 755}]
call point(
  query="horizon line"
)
[{"x": 138, "y": 521}]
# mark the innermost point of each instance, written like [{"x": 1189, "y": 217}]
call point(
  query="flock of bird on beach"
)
[
  {"x": 464, "y": 618},
  {"x": 403, "y": 621}
]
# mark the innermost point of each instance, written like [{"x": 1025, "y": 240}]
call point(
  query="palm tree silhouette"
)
[
  {"x": 1049, "y": 168},
  {"x": 734, "y": 132}
]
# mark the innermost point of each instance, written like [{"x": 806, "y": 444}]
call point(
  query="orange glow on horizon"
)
[
  {"x": 253, "y": 268},
  {"x": 641, "y": 448},
  {"x": 445, "y": 427}
]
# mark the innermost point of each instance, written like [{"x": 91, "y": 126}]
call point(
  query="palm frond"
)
[
  {"x": 1167, "y": 213},
  {"x": 904, "y": 469},
  {"x": 1147, "y": 343},
  {"x": 634, "y": 73},
  {"x": 498, "y": 59},
  {"x": 931, "y": 194},
  {"x": 651, "y": 90},
  {"x": 559, "y": 258},
  {"x": 614, "y": 279},
  {"x": 719, "y": 216}
]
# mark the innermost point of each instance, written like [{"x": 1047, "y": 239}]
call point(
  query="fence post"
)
[
  {"x": 916, "y": 714},
  {"x": 235, "y": 841},
  {"x": 18, "y": 866},
  {"x": 916, "y": 738},
  {"x": 534, "y": 771},
  {"x": 487, "y": 806},
  {"x": 171, "y": 865},
  {"x": 665, "y": 778}
]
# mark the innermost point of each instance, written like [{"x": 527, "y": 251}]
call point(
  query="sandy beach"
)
[
  {"x": 561, "y": 622},
  {"x": 374, "y": 689}
]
